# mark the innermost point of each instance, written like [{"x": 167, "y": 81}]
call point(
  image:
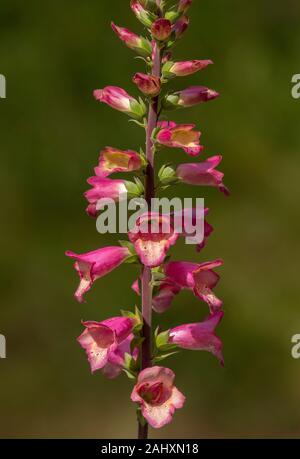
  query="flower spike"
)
[{"x": 127, "y": 343}]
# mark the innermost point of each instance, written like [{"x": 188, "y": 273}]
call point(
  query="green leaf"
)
[
  {"x": 162, "y": 357},
  {"x": 134, "y": 259},
  {"x": 129, "y": 363},
  {"x": 168, "y": 347},
  {"x": 162, "y": 339},
  {"x": 129, "y": 374},
  {"x": 129, "y": 314},
  {"x": 137, "y": 329},
  {"x": 129, "y": 246},
  {"x": 139, "y": 123}
]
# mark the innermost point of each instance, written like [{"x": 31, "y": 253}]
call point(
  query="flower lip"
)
[{"x": 152, "y": 237}]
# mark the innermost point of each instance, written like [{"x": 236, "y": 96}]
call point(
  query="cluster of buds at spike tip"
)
[
  {"x": 161, "y": 29},
  {"x": 121, "y": 344}
]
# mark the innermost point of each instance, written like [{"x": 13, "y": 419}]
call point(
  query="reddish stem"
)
[{"x": 149, "y": 194}]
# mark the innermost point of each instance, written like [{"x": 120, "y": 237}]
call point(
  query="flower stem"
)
[{"x": 149, "y": 194}]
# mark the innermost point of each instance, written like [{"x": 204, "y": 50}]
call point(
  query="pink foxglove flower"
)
[
  {"x": 189, "y": 97},
  {"x": 152, "y": 237},
  {"x": 106, "y": 342},
  {"x": 200, "y": 278},
  {"x": 138, "y": 44},
  {"x": 164, "y": 296},
  {"x": 104, "y": 188},
  {"x": 147, "y": 84},
  {"x": 93, "y": 265},
  {"x": 113, "y": 160},
  {"x": 204, "y": 174},
  {"x": 179, "y": 136},
  {"x": 120, "y": 100},
  {"x": 157, "y": 396},
  {"x": 184, "y": 68},
  {"x": 161, "y": 29},
  {"x": 200, "y": 336}
]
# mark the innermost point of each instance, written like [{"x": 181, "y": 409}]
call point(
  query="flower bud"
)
[
  {"x": 144, "y": 16},
  {"x": 184, "y": 68},
  {"x": 189, "y": 97},
  {"x": 118, "y": 99},
  {"x": 180, "y": 26},
  {"x": 140, "y": 45},
  {"x": 148, "y": 84},
  {"x": 161, "y": 29}
]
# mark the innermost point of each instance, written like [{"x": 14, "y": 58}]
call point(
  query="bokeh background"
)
[{"x": 53, "y": 55}]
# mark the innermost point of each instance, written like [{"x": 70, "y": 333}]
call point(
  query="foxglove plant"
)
[{"x": 129, "y": 344}]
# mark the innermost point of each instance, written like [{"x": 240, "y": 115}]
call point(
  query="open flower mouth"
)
[
  {"x": 151, "y": 393},
  {"x": 114, "y": 160},
  {"x": 186, "y": 138}
]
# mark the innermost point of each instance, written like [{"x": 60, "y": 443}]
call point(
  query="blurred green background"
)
[{"x": 53, "y": 55}]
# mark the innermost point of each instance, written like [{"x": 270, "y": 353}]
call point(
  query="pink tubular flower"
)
[
  {"x": 200, "y": 278},
  {"x": 120, "y": 100},
  {"x": 148, "y": 84},
  {"x": 161, "y": 29},
  {"x": 162, "y": 299},
  {"x": 152, "y": 237},
  {"x": 114, "y": 160},
  {"x": 204, "y": 174},
  {"x": 184, "y": 68},
  {"x": 189, "y": 97},
  {"x": 103, "y": 188},
  {"x": 200, "y": 336},
  {"x": 179, "y": 136},
  {"x": 93, "y": 265},
  {"x": 157, "y": 395},
  {"x": 139, "y": 44},
  {"x": 106, "y": 343}
]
